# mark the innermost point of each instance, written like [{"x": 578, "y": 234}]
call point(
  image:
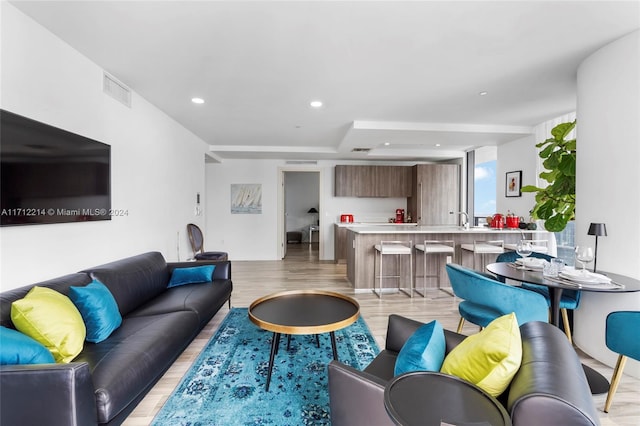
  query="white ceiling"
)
[{"x": 406, "y": 73}]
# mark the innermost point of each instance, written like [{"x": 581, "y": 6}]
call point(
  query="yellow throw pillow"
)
[
  {"x": 53, "y": 320},
  {"x": 490, "y": 358}
]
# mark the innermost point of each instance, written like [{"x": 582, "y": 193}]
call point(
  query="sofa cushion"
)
[
  {"x": 134, "y": 280},
  {"x": 423, "y": 351},
  {"x": 17, "y": 348},
  {"x": 52, "y": 319},
  {"x": 192, "y": 275},
  {"x": 134, "y": 357},
  {"x": 60, "y": 284},
  {"x": 98, "y": 308},
  {"x": 490, "y": 358},
  {"x": 203, "y": 299}
]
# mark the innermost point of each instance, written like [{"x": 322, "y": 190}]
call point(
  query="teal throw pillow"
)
[
  {"x": 193, "y": 275},
  {"x": 17, "y": 348},
  {"x": 98, "y": 308},
  {"x": 423, "y": 351}
]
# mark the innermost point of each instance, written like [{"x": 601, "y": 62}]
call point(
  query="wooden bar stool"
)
[
  {"x": 436, "y": 248},
  {"x": 399, "y": 250},
  {"x": 483, "y": 248}
]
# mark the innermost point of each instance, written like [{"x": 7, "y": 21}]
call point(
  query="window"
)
[{"x": 484, "y": 184}]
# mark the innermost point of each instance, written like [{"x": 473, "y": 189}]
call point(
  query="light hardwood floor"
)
[{"x": 302, "y": 270}]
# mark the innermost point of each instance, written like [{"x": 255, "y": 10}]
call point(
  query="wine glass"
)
[
  {"x": 584, "y": 255},
  {"x": 524, "y": 249}
]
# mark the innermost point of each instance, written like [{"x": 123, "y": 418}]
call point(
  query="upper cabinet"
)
[
  {"x": 373, "y": 181},
  {"x": 436, "y": 192}
]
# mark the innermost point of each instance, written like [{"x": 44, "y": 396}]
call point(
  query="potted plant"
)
[{"x": 556, "y": 203}]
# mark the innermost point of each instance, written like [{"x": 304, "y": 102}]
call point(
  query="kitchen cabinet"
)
[
  {"x": 373, "y": 181},
  {"x": 340, "y": 244},
  {"x": 436, "y": 192}
]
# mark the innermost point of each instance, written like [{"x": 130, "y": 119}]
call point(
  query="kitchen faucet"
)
[{"x": 465, "y": 222}]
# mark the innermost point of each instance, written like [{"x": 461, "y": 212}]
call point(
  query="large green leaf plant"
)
[{"x": 556, "y": 203}]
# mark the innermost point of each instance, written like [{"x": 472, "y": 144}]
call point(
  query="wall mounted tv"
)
[{"x": 50, "y": 175}]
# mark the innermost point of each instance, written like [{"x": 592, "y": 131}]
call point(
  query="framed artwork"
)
[
  {"x": 513, "y": 184},
  {"x": 246, "y": 198}
]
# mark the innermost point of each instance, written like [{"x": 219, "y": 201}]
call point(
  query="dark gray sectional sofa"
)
[{"x": 107, "y": 380}]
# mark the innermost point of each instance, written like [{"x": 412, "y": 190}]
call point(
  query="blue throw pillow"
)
[
  {"x": 18, "y": 348},
  {"x": 193, "y": 275},
  {"x": 423, "y": 351},
  {"x": 98, "y": 308}
]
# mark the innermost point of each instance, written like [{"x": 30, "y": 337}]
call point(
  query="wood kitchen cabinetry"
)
[
  {"x": 340, "y": 244},
  {"x": 436, "y": 192},
  {"x": 373, "y": 181}
]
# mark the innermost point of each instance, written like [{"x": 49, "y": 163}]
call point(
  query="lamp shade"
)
[
  {"x": 598, "y": 229},
  {"x": 313, "y": 210}
]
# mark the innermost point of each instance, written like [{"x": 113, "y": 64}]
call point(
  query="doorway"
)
[{"x": 299, "y": 227}]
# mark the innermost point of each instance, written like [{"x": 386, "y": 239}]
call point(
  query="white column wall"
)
[{"x": 608, "y": 176}]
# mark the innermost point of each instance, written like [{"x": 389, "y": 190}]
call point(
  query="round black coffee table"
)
[
  {"x": 431, "y": 398},
  {"x": 303, "y": 312}
]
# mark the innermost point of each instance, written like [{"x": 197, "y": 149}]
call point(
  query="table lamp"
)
[
  {"x": 599, "y": 230},
  {"x": 313, "y": 210}
]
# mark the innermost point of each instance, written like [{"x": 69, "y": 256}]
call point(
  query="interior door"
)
[{"x": 284, "y": 218}]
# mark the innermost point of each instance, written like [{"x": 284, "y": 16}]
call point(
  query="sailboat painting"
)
[{"x": 246, "y": 198}]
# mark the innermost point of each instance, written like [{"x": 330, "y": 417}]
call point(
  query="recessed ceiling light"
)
[
  {"x": 197, "y": 100},
  {"x": 483, "y": 93},
  {"x": 437, "y": 144},
  {"x": 387, "y": 143},
  {"x": 316, "y": 104}
]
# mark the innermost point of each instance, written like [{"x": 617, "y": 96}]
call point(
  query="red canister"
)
[
  {"x": 346, "y": 218},
  {"x": 498, "y": 221}
]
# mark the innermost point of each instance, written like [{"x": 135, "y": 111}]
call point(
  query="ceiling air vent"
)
[
  {"x": 116, "y": 90},
  {"x": 361, "y": 150},
  {"x": 301, "y": 162}
]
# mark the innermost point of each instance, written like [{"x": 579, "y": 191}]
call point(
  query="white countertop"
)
[
  {"x": 420, "y": 229},
  {"x": 360, "y": 224}
]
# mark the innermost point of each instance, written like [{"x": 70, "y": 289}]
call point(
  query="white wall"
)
[
  {"x": 243, "y": 236},
  {"x": 607, "y": 181},
  {"x": 255, "y": 237},
  {"x": 520, "y": 154},
  {"x": 157, "y": 167}
]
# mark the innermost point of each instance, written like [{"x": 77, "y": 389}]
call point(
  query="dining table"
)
[
  {"x": 616, "y": 283},
  {"x": 556, "y": 285}
]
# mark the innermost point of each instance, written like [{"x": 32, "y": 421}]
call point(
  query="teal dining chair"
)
[
  {"x": 570, "y": 299},
  {"x": 621, "y": 336},
  {"x": 485, "y": 299}
]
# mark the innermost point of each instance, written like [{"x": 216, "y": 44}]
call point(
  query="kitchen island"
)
[{"x": 361, "y": 239}]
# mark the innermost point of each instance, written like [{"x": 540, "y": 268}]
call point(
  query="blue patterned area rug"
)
[{"x": 226, "y": 384}]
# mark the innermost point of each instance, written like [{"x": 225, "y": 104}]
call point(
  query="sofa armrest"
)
[
  {"x": 550, "y": 387},
  {"x": 47, "y": 394},
  {"x": 222, "y": 271},
  {"x": 356, "y": 398}
]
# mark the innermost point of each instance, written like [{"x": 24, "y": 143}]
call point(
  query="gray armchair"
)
[
  {"x": 549, "y": 388},
  {"x": 357, "y": 397}
]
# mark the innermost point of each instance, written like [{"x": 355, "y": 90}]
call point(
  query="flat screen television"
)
[{"x": 50, "y": 175}]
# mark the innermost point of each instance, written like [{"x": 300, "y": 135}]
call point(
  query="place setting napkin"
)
[
  {"x": 588, "y": 279},
  {"x": 529, "y": 263}
]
